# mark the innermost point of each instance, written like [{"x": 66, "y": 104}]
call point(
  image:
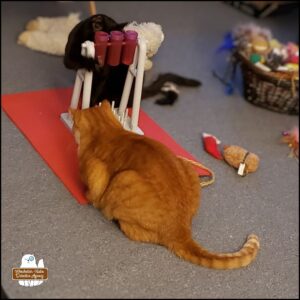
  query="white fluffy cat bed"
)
[{"x": 49, "y": 35}]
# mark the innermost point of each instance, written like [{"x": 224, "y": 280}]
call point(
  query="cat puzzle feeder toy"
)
[{"x": 113, "y": 48}]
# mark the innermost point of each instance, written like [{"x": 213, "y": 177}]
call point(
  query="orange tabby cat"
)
[{"x": 140, "y": 183}]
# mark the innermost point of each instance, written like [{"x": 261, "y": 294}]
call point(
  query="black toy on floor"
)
[{"x": 167, "y": 85}]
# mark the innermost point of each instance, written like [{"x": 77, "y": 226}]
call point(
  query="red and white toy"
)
[{"x": 211, "y": 145}]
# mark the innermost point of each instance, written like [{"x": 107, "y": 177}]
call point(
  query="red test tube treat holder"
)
[
  {"x": 101, "y": 43},
  {"x": 129, "y": 48},
  {"x": 113, "y": 49}
]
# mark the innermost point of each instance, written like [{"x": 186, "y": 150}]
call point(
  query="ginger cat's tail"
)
[{"x": 194, "y": 253}]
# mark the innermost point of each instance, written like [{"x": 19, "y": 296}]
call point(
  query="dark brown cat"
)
[{"x": 140, "y": 183}]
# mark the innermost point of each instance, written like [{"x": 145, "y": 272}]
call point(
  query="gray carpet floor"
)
[{"x": 88, "y": 256}]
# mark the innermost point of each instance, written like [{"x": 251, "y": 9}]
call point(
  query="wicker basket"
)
[{"x": 276, "y": 91}]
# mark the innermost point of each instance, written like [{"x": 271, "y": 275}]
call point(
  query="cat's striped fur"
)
[{"x": 139, "y": 182}]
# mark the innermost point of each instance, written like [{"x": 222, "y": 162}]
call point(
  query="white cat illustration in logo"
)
[{"x": 28, "y": 261}]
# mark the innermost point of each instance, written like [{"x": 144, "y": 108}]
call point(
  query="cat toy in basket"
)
[{"x": 113, "y": 49}]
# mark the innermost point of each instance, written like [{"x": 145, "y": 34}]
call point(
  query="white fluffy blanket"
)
[{"x": 49, "y": 35}]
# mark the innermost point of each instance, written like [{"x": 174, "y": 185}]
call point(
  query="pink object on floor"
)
[{"x": 37, "y": 115}]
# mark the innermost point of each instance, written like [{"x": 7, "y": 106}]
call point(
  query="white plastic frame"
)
[{"x": 84, "y": 78}]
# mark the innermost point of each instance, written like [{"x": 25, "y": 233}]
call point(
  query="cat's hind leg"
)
[
  {"x": 192, "y": 182},
  {"x": 137, "y": 233},
  {"x": 119, "y": 192},
  {"x": 132, "y": 201},
  {"x": 96, "y": 178}
]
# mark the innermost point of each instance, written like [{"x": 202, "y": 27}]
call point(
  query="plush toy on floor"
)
[
  {"x": 168, "y": 86},
  {"x": 241, "y": 159},
  {"x": 236, "y": 156},
  {"x": 291, "y": 137},
  {"x": 211, "y": 145}
]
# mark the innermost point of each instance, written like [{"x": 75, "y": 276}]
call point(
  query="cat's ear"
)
[
  {"x": 105, "y": 104},
  {"x": 71, "y": 111},
  {"x": 75, "y": 114}
]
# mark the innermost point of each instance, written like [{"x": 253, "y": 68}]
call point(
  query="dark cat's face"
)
[
  {"x": 108, "y": 81},
  {"x": 104, "y": 23},
  {"x": 85, "y": 31}
]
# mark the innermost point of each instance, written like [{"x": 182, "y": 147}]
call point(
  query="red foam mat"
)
[{"x": 37, "y": 115}]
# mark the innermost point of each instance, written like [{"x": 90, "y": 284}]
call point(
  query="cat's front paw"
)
[{"x": 89, "y": 198}]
